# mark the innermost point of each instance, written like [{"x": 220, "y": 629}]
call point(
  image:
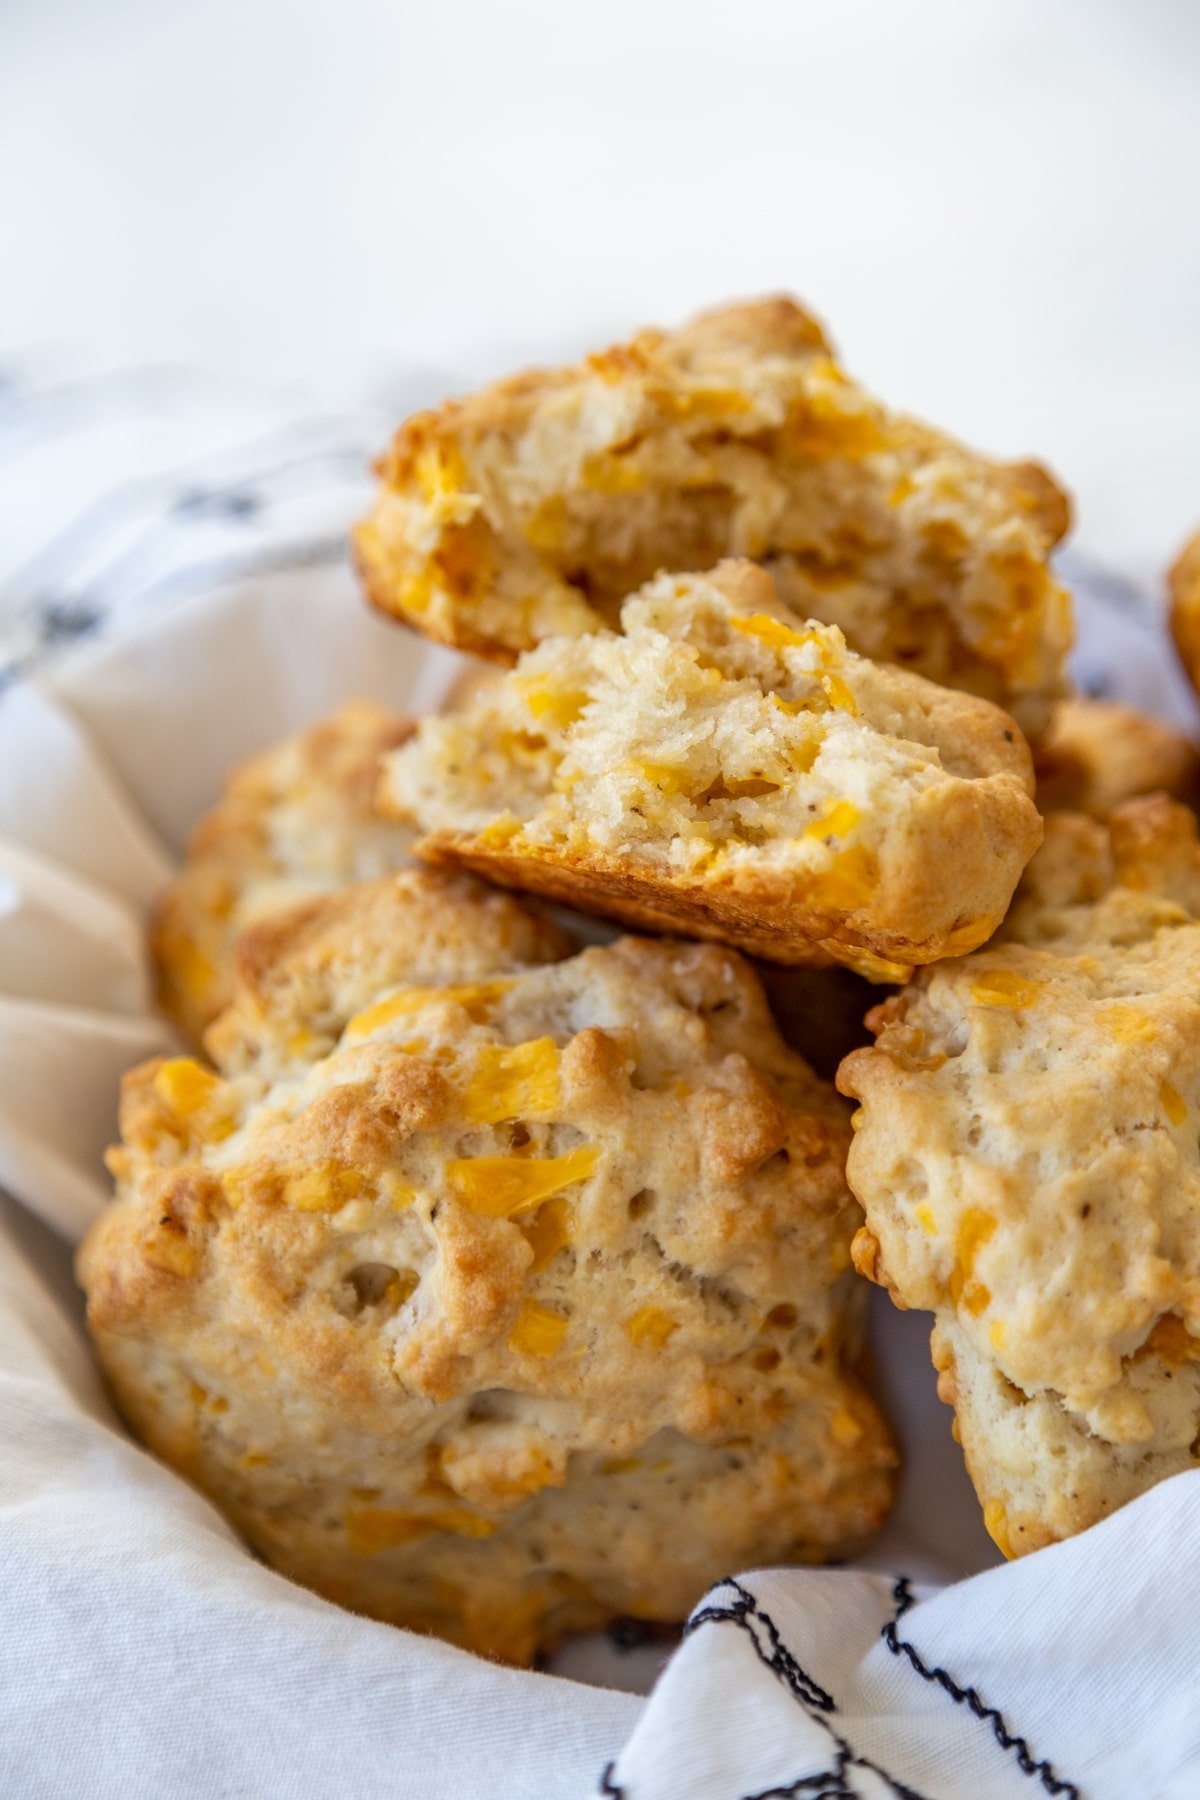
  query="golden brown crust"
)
[
  {"x": 532, "y": 508},
  {"x": 1036, "y": 492},
  {"x": 299, "y": 976},
  {"x": 525, "y": 1305},
  {"x": 771, "y": 917},
  {"x": 1026, "y": 1155},
  {"x": 293, "y": 821},
  {"x": 1184, "y": 589},
  {"x": 716, "y": 771},
  {"x": 1097, "y": 754}
]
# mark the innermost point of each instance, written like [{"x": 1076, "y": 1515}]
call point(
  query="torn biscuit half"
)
[
  {"x": 722, "y": 770},
  {"x": 532, "y": 508}
]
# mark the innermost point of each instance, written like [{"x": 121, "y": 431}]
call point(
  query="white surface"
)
[{"x": 994, "y": 205}]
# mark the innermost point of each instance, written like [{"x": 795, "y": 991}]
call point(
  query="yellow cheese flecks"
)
[
  {"x": 548, "y": 701},
  {"x": 476, "y": 999},
  {"x": 1004, "y": 987},
  {"x": 975, "y": 1229},
  {"x": 775, "y": 633},
  {"x": 1173, "y": 1103},
  {"x": 325, "y": 1189},
  {"x": 651, "y": 1325},
  {"x": 995, "y": 1521},
  {"x": 837, "y": 819},
  {"x": 370, "y": 1529},
  {"x": 547, "y": 1231},
  {"x": 538, "y": 1331},
  {"x": 185, "y": 1086},
  {"x": 511, "y": 1082},
  {"x": 840, "y": 694},
  {"x": 498, "y": 1187}
]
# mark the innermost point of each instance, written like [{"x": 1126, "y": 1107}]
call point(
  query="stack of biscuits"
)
[{"x": 500, "y": 1275}]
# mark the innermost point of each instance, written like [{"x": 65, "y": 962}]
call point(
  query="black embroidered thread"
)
[
  {"x": 195, "y": 577},
  {"x": 199, "y": 503},
  {"x": 61, "y": 621},
  {"x": 608, "y": 1786},
  {"x": 780, "y": 1661},
  {"x": 833, "y": 1783},
  {"x": 826, "y": 1784},
  {"x": 214, "y": 486},
  {"x": 903, "y": 1596}
]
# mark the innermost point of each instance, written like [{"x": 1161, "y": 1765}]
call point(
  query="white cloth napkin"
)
[{"x": 143, "y": 1651}]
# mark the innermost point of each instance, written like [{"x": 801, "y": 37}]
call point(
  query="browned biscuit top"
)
[
  {"x": 531, "y": 509},
  {"x": 525, "y": 1304}
]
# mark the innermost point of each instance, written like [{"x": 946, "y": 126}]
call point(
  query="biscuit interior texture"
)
[
  {"x": 721, "y": 768},
  {"x": 526, "y": 1305},
  {"x": 1096, "y": 754},
  {"x": 294, "y": 821},
  {"x": 1026, "y": 1155},
  {"x": 531, "y": 509}
]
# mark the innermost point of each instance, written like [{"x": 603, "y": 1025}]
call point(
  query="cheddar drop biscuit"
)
[
  {"x": 292, "y": 822},
  {"x": 526, "y": 1304},
  {"x": 1027, "y": 1161},
  {"x": 722, "y": 770},
  {"x": 531, "y": 509},
  {"x": 1097, "y": 754}
]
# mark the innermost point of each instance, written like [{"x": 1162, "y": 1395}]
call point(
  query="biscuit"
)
[
  {"x": 1026, "y": 1156},
  {"x": 294, "y": 821},
  {"x": 531, "y": 509},
  {"x": 300, "y": 976},
  {"x": 526, "y": 1306},
  {"x": 1097, "y": 754},
  {"x": 1184, "y": 590},
  {"x": 719, "y": 770}
]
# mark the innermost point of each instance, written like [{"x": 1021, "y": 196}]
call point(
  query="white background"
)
[{"x": 995, "y": 205}]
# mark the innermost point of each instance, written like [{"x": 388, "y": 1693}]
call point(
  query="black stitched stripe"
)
[
  {"x": 158, "y": 504},
  {"x": 779, "y": 1660},
  {"x": 807, "y": 1693},
  {"x": 969, "y": 1697},
  {"x": 826, "y": 1784},
  {"x": 194, "y": 578}
]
